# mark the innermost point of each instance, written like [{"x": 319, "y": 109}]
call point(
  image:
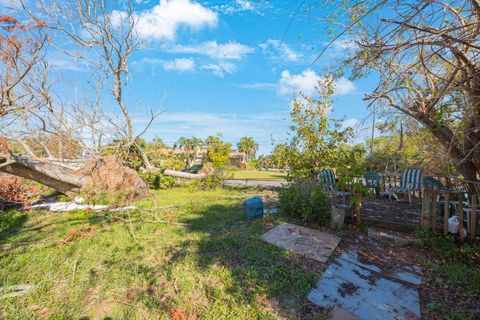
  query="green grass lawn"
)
[
  {"x": 143, "y": 266},
  {"x": 257, "y": 175}
]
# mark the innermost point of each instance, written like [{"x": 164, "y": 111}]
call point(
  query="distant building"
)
[{"x": 238, "y": 159}]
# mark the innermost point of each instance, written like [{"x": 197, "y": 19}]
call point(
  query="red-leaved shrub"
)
[{"x": 16, "y": 189}]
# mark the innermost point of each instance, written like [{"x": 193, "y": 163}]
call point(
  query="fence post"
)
[
  {"x": 473, "y": 217},
  {"x": 446, "y": 213},
  {"x": 460, "y": 214},
  {"x": 434, "y": 211},
  {"x": 425, "y": 209}
]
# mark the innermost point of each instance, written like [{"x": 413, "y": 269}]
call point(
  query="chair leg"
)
[{"x": 410, "y": 197}]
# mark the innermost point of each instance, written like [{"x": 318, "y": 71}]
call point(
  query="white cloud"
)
[
  {"x": 178, "y": 64},
  {"x": 344, "y": 44},
  {"x": 163, "y": 20},
  {"x": 240, "y": 6},
  {"x": 230, "y": 50},
  {"x": 342, "y": 86},
  {"x": 10, "y": 4},
  {"x": 245, "y": 5},
  {"x": 350, "y": 123},
  {"x": 220, "y": 68},
  {"x": 294, "y": 83},
  {"x": 219, "y": 55},
  {"x": 279, "y": 51},
  {"x": 67, "y": 65},
  {"x": 307, "y": 83}
]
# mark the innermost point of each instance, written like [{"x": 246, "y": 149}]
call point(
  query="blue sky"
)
[{"x": 228, "y": 66}]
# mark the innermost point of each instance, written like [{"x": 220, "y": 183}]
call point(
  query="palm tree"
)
[
  {"x": 190, "y": 147},
  {"x": 249, "y": 146}
]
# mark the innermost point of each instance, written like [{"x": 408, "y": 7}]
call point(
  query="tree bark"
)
[
  {"x": 106, "y": 175},
  {"x": 185, "y": 175},
  {"x": 57, "y": 177}
]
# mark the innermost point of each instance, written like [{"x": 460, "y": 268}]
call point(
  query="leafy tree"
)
[
  {"x": 408, "y": 146},
  {"x": 426, "y": 56},
  {"x": 218, "y": 154},
  {"x": 317, "y": 141},
  {"x": 264, "y": 162},
  {"x": 190, "y": 148},
  {"x": 248, "y": 146},
  {"x": 280, "y": 156}
]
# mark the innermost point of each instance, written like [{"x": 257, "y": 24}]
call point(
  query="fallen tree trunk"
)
[
  {"x": 106, "y": 175},
  {"x": 185, "y": 175},
  {"x": 58, "y": 177}
]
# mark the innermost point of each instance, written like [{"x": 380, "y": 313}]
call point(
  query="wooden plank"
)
[
  {"x": 434, "y": 211},
  {"x": 473, "y": 217},
  {"x": 425, "y": 209},
  {"x": 460, "y": 214},
  {"x": 446, "y": 213}
]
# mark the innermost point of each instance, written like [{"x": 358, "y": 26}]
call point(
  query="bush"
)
[
  {"x": 16, "y": 189},
  {"x": 158, "y": 181},
  {"x": 210, "y": 182},
  {"x": 305, "y": 200}
]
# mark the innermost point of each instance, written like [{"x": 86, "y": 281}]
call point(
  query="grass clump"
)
[
  {"x": 455, "y": 269},
  {"x": 158, "y": 181}
]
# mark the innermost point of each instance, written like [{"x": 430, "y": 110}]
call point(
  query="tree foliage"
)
[
  {"x": 218, "y": 154},
  {"x": 22, "y": 52},
  {"x": 408, "y": 145},
  {"x": 426, "y": 55},
  {"x": 190, "y": 147},
  {"x": 317, "y": 142},
  {"x": 248, "y": 146}
]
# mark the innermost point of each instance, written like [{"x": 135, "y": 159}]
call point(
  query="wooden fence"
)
[
  {"x": 439, "y": 204},
  {"x": 461, "y": 198}
]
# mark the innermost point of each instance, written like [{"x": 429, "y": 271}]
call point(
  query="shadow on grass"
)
[
  {"x": 12, "y": 224},
  {"x": 258, "y": 269},
  {"x": 11, "y": 220}
]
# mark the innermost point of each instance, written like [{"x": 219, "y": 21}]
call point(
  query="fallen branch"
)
[{"x": 185, "y": 175}]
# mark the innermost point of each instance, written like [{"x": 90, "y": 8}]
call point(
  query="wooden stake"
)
[
  {"x": 473, "y": 217},
  {"x": 425, "y": 208},
  {"x": 460, "y": 214},
  {"x": 446, "y": 211},
  {"x": 434, "y": 211}
]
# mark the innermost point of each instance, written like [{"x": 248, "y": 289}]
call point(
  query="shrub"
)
[
  {"x": 16, "y": 189},
  {"x": 158, "y": 181},
  {"x": 210, "y": 182},
  {"x": 305, "y": 200}
]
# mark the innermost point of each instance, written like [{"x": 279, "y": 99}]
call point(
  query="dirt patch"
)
[
  {"x": 398, "y": 214},
  {"x": 347, "y": 289},
  {"x": 179, "y": 314}
]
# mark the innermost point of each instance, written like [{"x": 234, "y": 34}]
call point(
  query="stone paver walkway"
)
[{"x": 366, "y": 291}]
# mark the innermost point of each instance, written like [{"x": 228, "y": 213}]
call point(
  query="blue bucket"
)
[{"x": 253, "y": 208}]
